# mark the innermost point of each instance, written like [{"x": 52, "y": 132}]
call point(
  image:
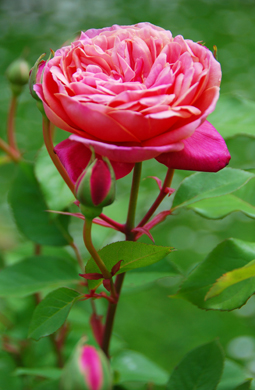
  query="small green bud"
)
[{"x": 18, "y": 75}]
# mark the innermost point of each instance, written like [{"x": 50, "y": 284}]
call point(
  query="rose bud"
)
[
  {"x": 87, "y": 369},
  {"x": 17, "y": 74},
  {"x": 95, "y": 188},
  {"x": 35, "y": 76}
]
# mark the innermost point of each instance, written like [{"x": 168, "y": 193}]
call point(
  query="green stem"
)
[
  {"x": 120, "y": 278},
  {"x": 161, "y": 196},
  {"x": 47, "y": 135},
  {"x": 90, "y": 247},
  {"x": 78, "y": 255},
  {"x": 133, "y": 201}
]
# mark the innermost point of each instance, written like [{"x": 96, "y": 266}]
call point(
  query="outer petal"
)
[
  {"x": 127, "y": 154},
  {"x": 204, "y": 151},
  {"x": 75, "y": 156},
  {"x": 89, "y": 118}
]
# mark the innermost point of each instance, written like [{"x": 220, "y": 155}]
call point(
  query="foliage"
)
[{"x": 204, "y": 252}]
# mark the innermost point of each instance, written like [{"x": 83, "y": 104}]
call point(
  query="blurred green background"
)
[{"x": 147, "y": 321}]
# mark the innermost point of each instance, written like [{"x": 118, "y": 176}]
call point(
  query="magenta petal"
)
[
  {"x": 100, "y": 182},
  {"x": 91, "y": 367},
  {"x": 75, "y": 156},
  {"x": 204, "y": 151},
  {"x": 127, "y": 154}
]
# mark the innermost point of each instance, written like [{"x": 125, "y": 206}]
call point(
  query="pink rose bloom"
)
[{"x": 134, "y": 93}]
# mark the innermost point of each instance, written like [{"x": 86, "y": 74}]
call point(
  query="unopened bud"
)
[
  {"x": 87, "y": 369},
  {"x": 18, "y": 75},
  {"x": 95, "y": 188},
  {"x": 35, "y": 76}
]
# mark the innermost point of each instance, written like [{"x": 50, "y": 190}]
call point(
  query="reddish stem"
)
[
  {"x": 50, "y": 148},
  {"x": 120, "y": 278},
  {"x": 12, "y": 153},
  {"x": 111, "y": 315},
  {"x": 10, "y": 124}
]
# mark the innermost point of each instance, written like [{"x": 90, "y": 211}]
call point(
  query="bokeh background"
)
[{"x": 148, "y": 320}]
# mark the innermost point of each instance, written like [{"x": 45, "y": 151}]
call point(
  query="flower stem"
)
[
  {"x": 120, "y": 278},
  {"x": 78, "y": 255},
  {"x": 111, "y": 316},
  {"x": 47, "y": 135},
  {"x": 58, "y": 351},
  {"x": 90, "y": 247},
  {"x": 161, "y": 196},
  {"x": 133, "y": 201},
  {"x": 12, "y": 153},
  {"x": 10, "y": 124}
]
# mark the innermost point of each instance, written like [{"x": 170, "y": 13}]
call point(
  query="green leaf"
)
[
  {"x": 52, "y": 312},
  {"x": 148, "y": 275},
  {"x": 233, "y": 116},
  {"x": 7, "y": 366},
  {"x": 244, "y": 386},
  {"x": 132, "y": 366},
  {"x": 231, "y": 278},
  {"x": 47, "y": 385},
  {"x": 44, "y": 372},
  {"x": 200, "y": 369},
  {"x": 241, "y": 200},
  {"x": 29, "y": 210},
  {"x": 133, "y": 255},
  {"x": 233, "y": 375},
  {"x": 227, "y": 256},
  {"x": 36, "y": 273},
  {"x": 56, "y": 192},
  {"x": 204, "y": 185}
]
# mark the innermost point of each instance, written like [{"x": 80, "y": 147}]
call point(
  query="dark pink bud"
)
[
  {"x": 87, "y": 369},
  {"x": 91, "y": 367},
  {"x": 100, "y": 182},
  {"x": 95, "y": 188}
]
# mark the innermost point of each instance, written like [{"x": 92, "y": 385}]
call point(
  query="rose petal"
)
[
  {"x": 75, "y": 156},
  {"x": 204, "y": 151},
  {"x": 98, "y": 124},
  {"x": 91, "y": 367},
  {"x": 127, "y": 154}
]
